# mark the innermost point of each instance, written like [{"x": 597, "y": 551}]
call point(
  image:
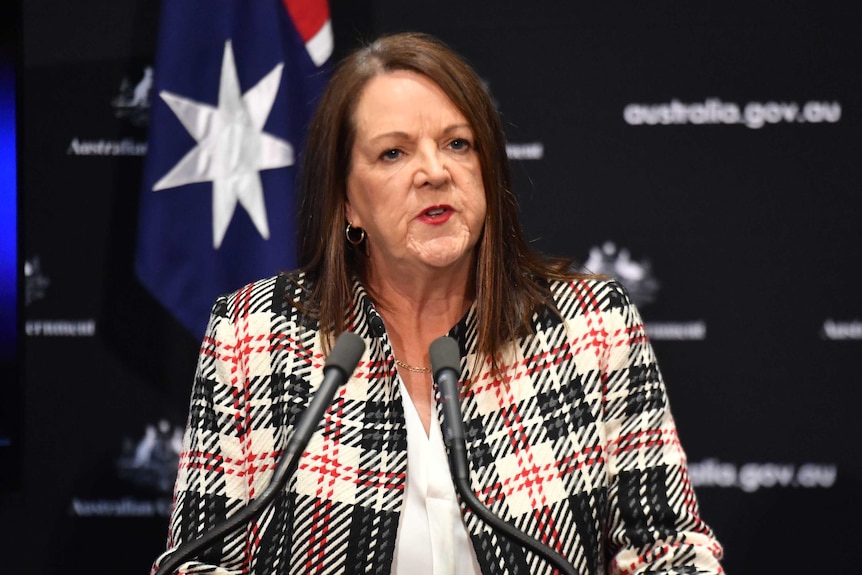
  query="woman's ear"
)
[{"x": 350, "y": 216}]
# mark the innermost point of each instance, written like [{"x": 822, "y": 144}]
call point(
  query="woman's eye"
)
[
  {"x": 459, "y": 144},
  {"x": 392, "y": 154}
]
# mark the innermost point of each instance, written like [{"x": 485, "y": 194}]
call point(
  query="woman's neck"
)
[
  {"x": 417, "y": 308},
  {"x": 424, "y": 300}
]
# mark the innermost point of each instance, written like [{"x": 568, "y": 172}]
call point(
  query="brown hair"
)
[{"x": 510, "y": 278}]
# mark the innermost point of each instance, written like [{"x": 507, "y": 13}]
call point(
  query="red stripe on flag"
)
[{"x": 308, "y": 16}]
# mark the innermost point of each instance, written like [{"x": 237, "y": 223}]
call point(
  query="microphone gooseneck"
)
[
  {"x": 446, "y": 366},
  {"x": 339, "y": 366}
]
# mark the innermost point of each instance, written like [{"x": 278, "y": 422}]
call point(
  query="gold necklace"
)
[{"x": 412, "y": 368}]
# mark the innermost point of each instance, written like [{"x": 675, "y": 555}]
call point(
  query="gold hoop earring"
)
[{"x": 353, "y": 240}]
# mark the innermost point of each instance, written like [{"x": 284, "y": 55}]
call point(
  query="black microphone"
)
[
  {"x": 339, "y": 366},
  {"x": 446, "y": 366}
]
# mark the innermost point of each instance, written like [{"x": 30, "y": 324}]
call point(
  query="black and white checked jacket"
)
[{"x": 574, "y": 445}]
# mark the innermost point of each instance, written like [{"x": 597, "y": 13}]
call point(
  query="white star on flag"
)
[{"x": 232, "y": 146}]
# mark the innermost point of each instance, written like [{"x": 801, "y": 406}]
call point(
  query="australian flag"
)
[{"x": 235, "y": 84}]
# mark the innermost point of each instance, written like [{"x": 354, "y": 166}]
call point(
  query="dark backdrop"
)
[{"x": 708, "y": 156}]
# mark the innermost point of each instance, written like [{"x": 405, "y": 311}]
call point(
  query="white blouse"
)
[{"x": 432, "y": 539}]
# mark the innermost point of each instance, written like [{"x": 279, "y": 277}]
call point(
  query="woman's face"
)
[{"x": 415, "y": 184}]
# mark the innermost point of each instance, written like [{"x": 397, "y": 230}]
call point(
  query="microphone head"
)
[
  {"x": 345, "y": 353},
  {"x": 444, "y": 353}
]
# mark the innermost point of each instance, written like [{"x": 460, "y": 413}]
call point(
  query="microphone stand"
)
[
  {"x": 339, "y": 366},
  {"x": 445, "y": 364}
]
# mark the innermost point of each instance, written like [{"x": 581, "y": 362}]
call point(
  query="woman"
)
[{"x": 409, "y": 232}]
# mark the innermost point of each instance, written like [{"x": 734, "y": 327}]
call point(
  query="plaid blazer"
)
[{"x": 574, "y": 445}]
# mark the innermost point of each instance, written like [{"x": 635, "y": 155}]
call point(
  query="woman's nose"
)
[{"x": 432, "y": 170}]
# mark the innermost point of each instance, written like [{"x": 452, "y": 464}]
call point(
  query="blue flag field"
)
[{"x": 235, "y": 85}]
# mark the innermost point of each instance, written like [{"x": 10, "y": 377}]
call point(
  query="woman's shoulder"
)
[
  {"x": 276, "y": 294},
  {"x": 589, "y": 293}
]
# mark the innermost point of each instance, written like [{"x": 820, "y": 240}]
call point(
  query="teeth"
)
[{"x": 435, "y": 212}]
